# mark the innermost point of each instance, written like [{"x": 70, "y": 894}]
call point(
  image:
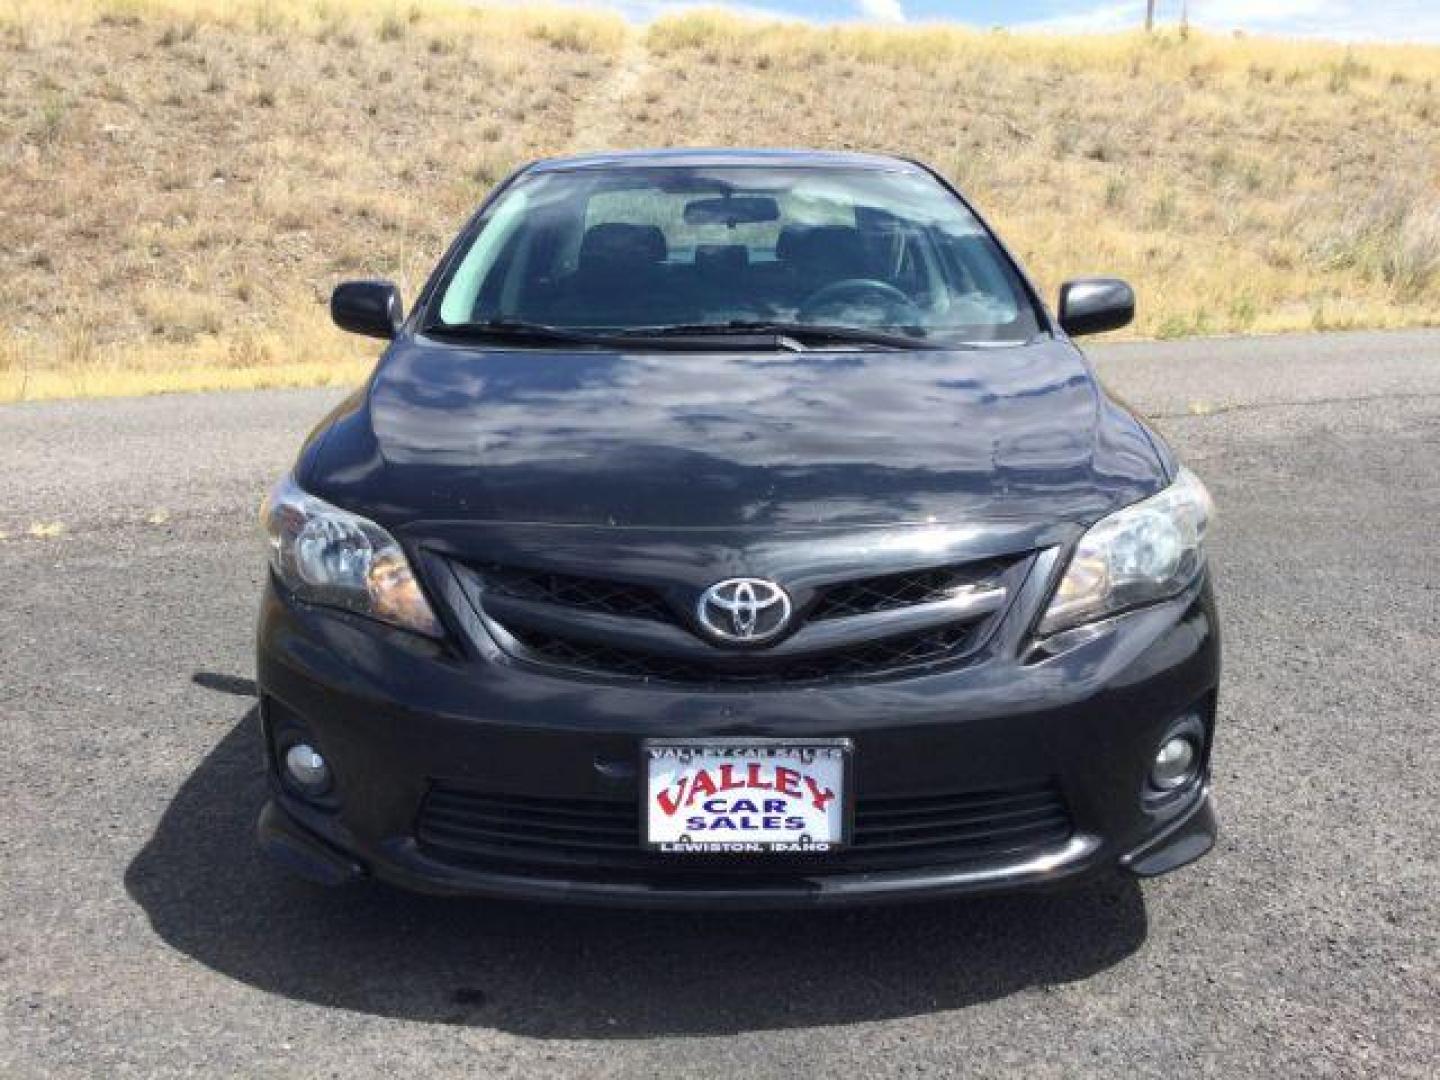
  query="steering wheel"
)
[{"x": 889, "y": 305}]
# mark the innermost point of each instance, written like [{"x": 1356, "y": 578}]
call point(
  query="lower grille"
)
[{"x": 464, "y": 826}]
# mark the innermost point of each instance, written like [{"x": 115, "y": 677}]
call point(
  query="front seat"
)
[{"x": 618, "y": 266}]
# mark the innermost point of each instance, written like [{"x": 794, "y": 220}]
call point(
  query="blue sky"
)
[{"x": 1348, "y": 20}]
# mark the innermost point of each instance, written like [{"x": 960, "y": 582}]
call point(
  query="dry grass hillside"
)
[{"x": 182, "y": 181}]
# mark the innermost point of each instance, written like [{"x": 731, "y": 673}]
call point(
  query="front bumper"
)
[{"x": 395, "y": 715}]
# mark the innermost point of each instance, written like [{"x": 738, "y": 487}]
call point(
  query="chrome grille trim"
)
[{"x": 904, "y": 590}]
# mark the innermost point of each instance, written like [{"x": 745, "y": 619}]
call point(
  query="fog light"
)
[
  {"x": 1175, "y": 763},
  {"x": 307, "y": 769}
]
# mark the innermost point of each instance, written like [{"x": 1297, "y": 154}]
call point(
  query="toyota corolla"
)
[{"x": 735, "y": 528}]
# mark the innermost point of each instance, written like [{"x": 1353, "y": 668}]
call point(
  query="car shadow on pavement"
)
[{"x": 552, "y": 972}]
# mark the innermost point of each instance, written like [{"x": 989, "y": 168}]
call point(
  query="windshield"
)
[{"x": 645, "y": 249}]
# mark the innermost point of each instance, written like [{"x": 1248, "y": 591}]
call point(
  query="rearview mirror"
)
[
  {"x": 1094, "y": 305},
  {"x": 372, "y": 308},
  {"x": 740, "y": 210}
]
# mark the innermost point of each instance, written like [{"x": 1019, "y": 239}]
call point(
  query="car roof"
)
[{"x": 715, "y": 156}]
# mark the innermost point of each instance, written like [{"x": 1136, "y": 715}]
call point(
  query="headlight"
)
[
  {"x": 329, "y": 556},
  {"x": 1146, "y": 552}
]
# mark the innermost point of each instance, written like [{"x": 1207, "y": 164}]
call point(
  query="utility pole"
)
[{"x": 1149, "y": 15}]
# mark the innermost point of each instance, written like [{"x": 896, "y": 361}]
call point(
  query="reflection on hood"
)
[{"x": 725, "y": 439}]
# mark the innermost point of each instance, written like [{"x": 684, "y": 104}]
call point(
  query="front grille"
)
[
  {"x": 649, "y": 632},
  {"x": 465, "y": 826},
  {"x": 583, "y": 593},
  {"x": 885, "y": 656},
  {"x": 870, "y": 595}
]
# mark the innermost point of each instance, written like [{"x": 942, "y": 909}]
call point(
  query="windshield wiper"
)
[
  {"x": 804, "y": 333},
  {"x": 519, "y": 329},
  {"x": 665, "y": 337}
]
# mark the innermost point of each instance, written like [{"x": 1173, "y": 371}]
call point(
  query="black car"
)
[{"x": 735, "y": 528}]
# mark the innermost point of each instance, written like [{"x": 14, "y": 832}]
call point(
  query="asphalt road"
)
[{"x": 140, "y": 933}]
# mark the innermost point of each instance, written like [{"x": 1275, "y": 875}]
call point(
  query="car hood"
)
[{"x": 731, "y": 440}]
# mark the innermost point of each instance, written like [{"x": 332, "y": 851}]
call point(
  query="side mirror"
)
[
  {"x": 367, "y": 307},
  {"x": 1094, "y": 305}
]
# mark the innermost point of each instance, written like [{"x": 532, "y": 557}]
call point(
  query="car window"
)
[{"x": 635, "y": 248}]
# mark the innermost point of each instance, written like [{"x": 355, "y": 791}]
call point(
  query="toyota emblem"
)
[{"x": 744, "y": 611}]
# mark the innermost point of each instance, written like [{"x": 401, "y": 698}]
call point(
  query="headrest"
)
[
  {"x": 722, "y": 258},
  {"x": 620, "y": 243}
]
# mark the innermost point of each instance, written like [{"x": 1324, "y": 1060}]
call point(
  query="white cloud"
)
[
  {"x": 1101, "y": 19},
  {"x": 1344, "y": 20},
  {"x": 881, "y": 10}
]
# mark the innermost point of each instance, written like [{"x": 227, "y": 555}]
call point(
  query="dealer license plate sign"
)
[{"x": 746, "y": 795}]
